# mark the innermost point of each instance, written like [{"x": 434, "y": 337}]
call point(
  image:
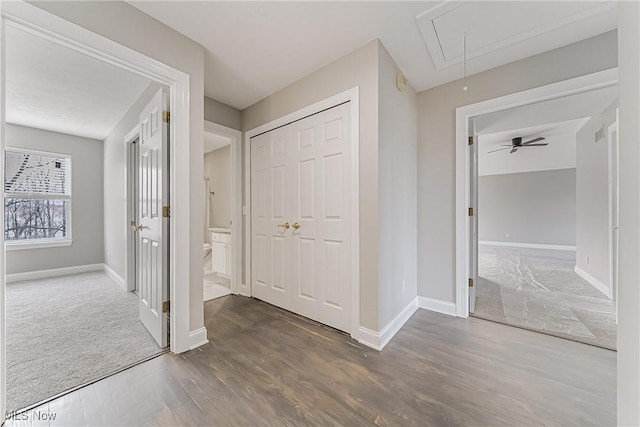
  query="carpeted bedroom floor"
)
[
  {"x": 66, "y": 331},
  {"x": 538, "y": 289}
]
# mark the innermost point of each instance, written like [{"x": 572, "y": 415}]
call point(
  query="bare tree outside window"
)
[{"x": 37, "y": 195}]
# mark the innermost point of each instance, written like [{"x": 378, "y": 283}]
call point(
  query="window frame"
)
[{"x": 14, "y": 245}]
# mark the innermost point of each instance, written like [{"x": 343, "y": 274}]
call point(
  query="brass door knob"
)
[
  {"x": 136, "y": 227},
  {"x": 285, "y": 225},
  {"x": 295, "y": 225}
]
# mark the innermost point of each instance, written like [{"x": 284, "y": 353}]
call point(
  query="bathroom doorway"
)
[{"x": 222, "y": 226}]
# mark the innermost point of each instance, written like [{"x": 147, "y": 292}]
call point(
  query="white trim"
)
[
  {"x": 438, "y": 306},
  {"x": 54, "y": 272},
  {"x": 129, "y": 235},
  {"x": 237, "y": 287},
  {"x": 527, "y": 245},
  {"x": 463, "y": 180},
  {"x": 593, "y": 281},
  {"x": 378, "y": 340},
  {"x": 613, "y": 198},
  {"x": 352, "y": 96},
  {"x": 198, "y": 338},
  {"x": 18, "y": 245},
  {"x": 115, "y": 276}
]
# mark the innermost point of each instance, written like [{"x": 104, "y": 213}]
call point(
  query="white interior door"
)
[
  {"x": 300, "y": 193},
  {"x": 473, "y": 218},
  {"x": 153, "y": 228}
]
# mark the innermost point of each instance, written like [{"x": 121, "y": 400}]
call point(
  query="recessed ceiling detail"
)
[{"x": 494, "y": 26}]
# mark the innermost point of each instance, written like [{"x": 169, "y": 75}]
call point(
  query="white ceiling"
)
[
  {"x": 559, "y": 154},
  {"x": 257, "y": 48},
  {"x": 54, "y": 88},
  {"x": 214, "y": 141}
]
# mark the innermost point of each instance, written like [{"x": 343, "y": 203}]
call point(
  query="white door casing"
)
[
  {"x": 473, "y": 218},
  {"x": 153, "y": 227},
  {"x": 300, "y": 176}
]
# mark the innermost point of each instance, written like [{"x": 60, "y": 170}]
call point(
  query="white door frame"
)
[
  {"x": 352, "y": 96},
  {"x": 573, "y": 86},
  {"x": 130, "y": 191},
  {"x": 613, "y": 198},
  {"x": 236, "y": 202},
  {"x": 40, "y": 23}
]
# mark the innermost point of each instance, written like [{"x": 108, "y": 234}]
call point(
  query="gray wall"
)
[
  {"x": 86, "y": 201},
  {"x": 217, "y": 167},
  {"x": 531, "y": 207},
  {"x": 168, "y": 46},
  {"x": 115, "y": 201},
  {"x": 592, "y": 164},
  {"x": 436, "y": 144},
  {"x": 359, "y": 68},
  {"x": 629, "y": 268},
  {"x": 397, "y": 190},
  {"x": 222, "y": 114}
]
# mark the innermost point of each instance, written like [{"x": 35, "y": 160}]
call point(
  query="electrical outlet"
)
[
  {"x": 587, "y": 260},
  {"x": 507, "y": 235},
  {"x": 404, "y": 285}
]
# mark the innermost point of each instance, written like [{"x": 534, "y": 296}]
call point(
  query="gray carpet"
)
[
  {"x": 538, "y": 289},
  {"x": 66, "y": 331}
]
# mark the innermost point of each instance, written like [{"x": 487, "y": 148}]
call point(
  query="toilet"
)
[{"x": 206, "y": 248}]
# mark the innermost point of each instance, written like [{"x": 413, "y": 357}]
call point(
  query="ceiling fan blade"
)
[
  {"x": 499, "y": 149},
  {"x": 513, "y": 150},
  {"x": 542, "y": 138},
  {"x": 535, "y": 145}
]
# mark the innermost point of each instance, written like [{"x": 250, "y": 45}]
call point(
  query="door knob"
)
[
  {"x": 285, "y": 225},
  {"x": 136, "y": 227},
  {"x": 615, "y": 227},
  {"x": 295, "y": 225}
]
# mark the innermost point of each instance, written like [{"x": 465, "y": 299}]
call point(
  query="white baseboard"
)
[
  {"x": 114, "y": 276},
  {"x": 438, "y": 306},
  {"x": 593, "y": 281},
  {"x": 198, "y": 338},
  {"x": 378, "y": 340},
  {"x": 527, "y": 245},
  {"x": 54, "y": 272}
]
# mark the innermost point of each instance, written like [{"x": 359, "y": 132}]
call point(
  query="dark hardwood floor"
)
[{"x": 267, "y": 367}]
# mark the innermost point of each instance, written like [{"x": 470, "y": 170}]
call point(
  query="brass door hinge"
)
[
  {"x": 166, "y": 211},
  {"x": 166, "y": 116},
  {"x": 470, "y": 211},
  {"x": 470, "y": 282},
  {"x": 165, "y": 307},
  {"x": 470, "y": 140}
]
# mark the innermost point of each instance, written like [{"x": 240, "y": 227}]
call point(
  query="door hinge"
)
[
  {"x": 166, "y": 211},
  {"x": 165, "y": 307},
  {"x": 470, "y": 140},
  {"x": 470, "y": 282},
  {"x": 470, "y": 211},
  {"x": 166, "y": 116}
]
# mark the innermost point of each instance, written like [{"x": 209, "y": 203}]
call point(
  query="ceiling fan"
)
[{"x": 517, "y": 143}]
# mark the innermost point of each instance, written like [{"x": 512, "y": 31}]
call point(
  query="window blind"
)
[{"x": 28, "y": 172}]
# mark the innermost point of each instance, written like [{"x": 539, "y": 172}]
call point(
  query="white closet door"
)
[{"x": 300, "y": 176}]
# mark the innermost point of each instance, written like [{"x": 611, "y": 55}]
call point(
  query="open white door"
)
[
  {"x": 473, "y": 217},
  {"x": 153, "y": 225}
]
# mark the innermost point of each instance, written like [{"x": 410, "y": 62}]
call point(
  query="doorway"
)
[{"x": 539, "y": 220}]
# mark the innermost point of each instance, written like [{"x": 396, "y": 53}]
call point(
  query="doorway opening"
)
[{"x": 541, "y": 227}]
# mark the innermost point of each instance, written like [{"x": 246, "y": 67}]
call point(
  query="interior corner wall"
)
[
  {"x": 592, "y": 196},
  {"x": 115, "y": 200},
  {"x": 122, "y": 23},
  {"x": 86, "y": 201},
  {"x": 528, "y": 207},
  {"x": 397, "y": 190},
  {"x": 222, "y": 114},
  {"x": 359, "y": 68},
  {"x": 436, "y": 144},
  {"x": 217, "y": 167},
  {"x": 629, "y": 236}
]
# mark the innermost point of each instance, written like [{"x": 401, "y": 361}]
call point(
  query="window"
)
[{"x": 37, "y": 199}]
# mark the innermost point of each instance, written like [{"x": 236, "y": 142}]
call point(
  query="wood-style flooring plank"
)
[{"x": 267, "y": 367}]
